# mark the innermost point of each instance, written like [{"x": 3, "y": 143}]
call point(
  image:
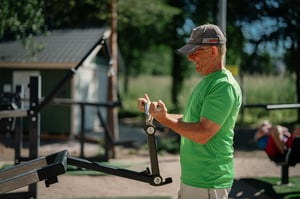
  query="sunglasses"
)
[{"x": 199, "y": 49}]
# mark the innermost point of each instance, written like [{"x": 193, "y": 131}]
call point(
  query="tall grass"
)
[
  {"x": 157, "y": 87},
  {"x": 262, "y": 89},
  {"x": 257, "y": 89}
]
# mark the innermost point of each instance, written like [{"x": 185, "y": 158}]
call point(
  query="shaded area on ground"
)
[{"x": 265, "y": 188}]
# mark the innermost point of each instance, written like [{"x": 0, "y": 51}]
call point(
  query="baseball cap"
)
[{"x": 207, "y": 34}]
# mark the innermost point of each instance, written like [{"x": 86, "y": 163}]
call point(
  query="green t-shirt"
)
[{"x": 218, "y": 98}]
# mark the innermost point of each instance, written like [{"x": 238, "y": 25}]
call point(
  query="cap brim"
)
[{"x": 188, "y": 48}]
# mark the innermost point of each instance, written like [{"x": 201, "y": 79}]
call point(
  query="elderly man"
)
[{"x": 207, "y": 125}]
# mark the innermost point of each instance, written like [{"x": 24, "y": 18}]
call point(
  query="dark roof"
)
[{"x": 61, "y": 48}]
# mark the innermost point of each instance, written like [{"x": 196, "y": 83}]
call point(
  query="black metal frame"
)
[
  {"x": 48, "y": 168},
  {"x": 108, "y": 138},
  {"x": 34, "y": 133},
  {"x": 293, "y": 157},
  {"x": 151, "y": 176},
  {"x": 43, "y": 168},
  {"x": 293, "y": 154}
]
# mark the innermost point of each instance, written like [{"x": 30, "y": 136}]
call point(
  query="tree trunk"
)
[{"x": 177, "y": 79}]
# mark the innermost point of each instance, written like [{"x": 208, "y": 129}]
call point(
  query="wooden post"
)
[{"x": 112, "y": 113}]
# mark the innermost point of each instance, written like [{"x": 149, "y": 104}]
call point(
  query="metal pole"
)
[
  {"x": 222, "y": 17},
  {"x": 284, "y": 174},
  {"x": 82, "y": 133},
  {"x": 19, "y": 127},
  {"x": 34, "y": 124}
]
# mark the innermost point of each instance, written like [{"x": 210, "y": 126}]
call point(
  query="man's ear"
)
[{"x": 214, "y": 51}]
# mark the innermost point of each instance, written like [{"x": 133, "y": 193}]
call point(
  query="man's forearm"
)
[{"x": 200, "y": 132}]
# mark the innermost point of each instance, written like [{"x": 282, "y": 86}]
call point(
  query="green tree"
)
[
  {"x": 175, "y": 39},
  {"x": 77, "y": 13},
  {"x": 141, "y": 28},
  {"x": 18, "y": 19},
  {"x": 276, "y": 22}
]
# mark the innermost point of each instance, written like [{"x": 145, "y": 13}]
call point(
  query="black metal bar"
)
[
  {"x": 96, "y": 166},
  {"x": 18, "y": 139},
  {"x": 82, "y": 111},
  {"x": 294, "y": 155},
  {"x": 67, "y": 77},
  {"x": 254, "y": 106},
  {"x": 107, "y": 136},
  {"x": 18, "y": 131},
  {"x": 34, "y": 117},
  {"x": 153, "y": 154},
  {"x": 74, "y": 102},
  {"x": 57, "y": 165},
  {"x": 284, "y": 174},
  {"x": 34, "y": 123},
  {"x": 150, "y": 130}
]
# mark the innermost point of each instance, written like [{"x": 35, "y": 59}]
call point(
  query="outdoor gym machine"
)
[
  {"x": 35, "y": 169},
  {"x": 292, "y": 156},
  {"x": 49, "y": 167}
]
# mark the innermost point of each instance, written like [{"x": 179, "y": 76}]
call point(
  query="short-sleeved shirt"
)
[{"x": 218, "y": 98}]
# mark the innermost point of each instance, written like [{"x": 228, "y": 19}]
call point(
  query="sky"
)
[{"x": 256, "y": 30}]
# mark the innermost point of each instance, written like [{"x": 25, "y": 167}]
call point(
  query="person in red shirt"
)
[{"x": 275, "y": 140}]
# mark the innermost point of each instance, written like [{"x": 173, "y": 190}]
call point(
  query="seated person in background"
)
[{"x": 275, "y": 140}]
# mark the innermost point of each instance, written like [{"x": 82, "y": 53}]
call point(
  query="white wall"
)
[{"x": 90, "y": 85}]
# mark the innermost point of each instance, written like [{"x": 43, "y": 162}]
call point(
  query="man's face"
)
[{"x": 200, "y": 58}]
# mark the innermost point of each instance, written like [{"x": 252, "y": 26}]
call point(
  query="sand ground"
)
[{"x": 248, "y": 164}]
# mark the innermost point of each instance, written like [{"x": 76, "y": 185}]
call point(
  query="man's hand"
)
[
  {"x": 142, "y": 101},
  {"x": 158, "y": 110}
]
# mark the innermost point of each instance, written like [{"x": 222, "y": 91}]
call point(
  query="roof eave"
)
[{"x": 31, "y": 65}]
